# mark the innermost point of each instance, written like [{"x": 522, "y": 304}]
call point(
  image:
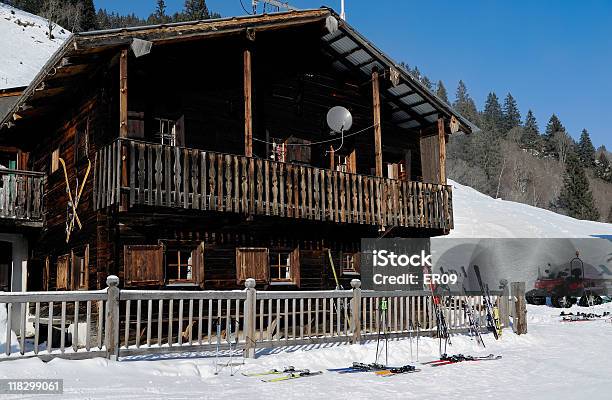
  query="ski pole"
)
[{"x": 218, "y": 347}]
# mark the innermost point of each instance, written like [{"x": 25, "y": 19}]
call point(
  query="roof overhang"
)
[{"x": 413, "y": 105}]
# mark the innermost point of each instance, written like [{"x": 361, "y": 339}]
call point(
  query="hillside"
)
[
  {"x": 25, "y": 45},
  {"x": 480, "y": 216}
]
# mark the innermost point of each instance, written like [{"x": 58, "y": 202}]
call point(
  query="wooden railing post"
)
[
  {"x": 356, "y": 311},
  {"x": 250, "y": 318},
  {"x": 111, "y": 338},
  {"x": 520, "y": 308}
]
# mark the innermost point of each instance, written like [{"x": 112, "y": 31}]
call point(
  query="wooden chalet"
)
[{"x": 197, "y": 154}]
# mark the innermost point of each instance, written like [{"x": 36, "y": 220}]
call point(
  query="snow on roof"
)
[{"x": 25, "y": 45}]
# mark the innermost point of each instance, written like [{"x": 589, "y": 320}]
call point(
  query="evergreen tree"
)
[
  {"x": 512, "y": 116},
  {"x": 465, "y": 105},
  {"x": 441, "y": 92},
  {"x": 531, "y": 132},
  {"x": 576, "y": 199},
  {"x": 160, "y": 11},
  {"x": 553, "y": 127},
  {"x": 88, "y": 16},
  {"x": 603, "y": 169},
  {"x": 610, "y": 215},
  {"x": 586, "y": 150},
  {"x": 196, "y": 10},
  {"x": 492, "y": 117},
  {"x": 426, "y": 82}
]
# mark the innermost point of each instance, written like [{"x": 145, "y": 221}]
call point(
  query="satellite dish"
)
[{"x": 339, "y": 119}]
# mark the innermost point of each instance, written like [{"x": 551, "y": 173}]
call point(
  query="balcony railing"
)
[
  {"x": 21, "y": 195},
  {"x": 170, "y": 176}
]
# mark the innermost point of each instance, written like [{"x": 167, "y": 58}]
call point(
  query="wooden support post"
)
[
  {"x": 111, "y": 339},
  {"x": 248, "y": 112},
  {"x": 123, "y": 123},
  {"x": 442, "y": 147},
  {"x": 356, "y": 311},
  {"x": 123, "y": 94},
  {"x": 377, "y": 126},
  {"x": 520, "y": 308},
  {"x": 250, "y": 318}
]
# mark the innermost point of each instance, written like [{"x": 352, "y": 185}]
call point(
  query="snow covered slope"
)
[
  {"x": 480, "y": 216},
  {"x": 24, "y": 45}
]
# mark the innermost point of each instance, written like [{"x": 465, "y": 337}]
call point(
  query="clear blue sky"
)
[{"x": 552, "y": 55}]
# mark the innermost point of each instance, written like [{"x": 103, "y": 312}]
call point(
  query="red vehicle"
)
[{"x": 564, "y": 286}]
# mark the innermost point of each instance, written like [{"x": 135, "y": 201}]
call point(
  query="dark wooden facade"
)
[{"x": 171, "y": 167}]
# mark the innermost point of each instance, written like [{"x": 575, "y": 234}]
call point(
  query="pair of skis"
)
[
  {"x": 446, "y": 359},
  {"x": 378, "y": 369},
  {"x": 287, "y": 374},
  {"x": 493, "y": 321}
]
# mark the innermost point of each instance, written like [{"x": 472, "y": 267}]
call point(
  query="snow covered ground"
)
[
  {"x": 480, "y": 216},
  {"x": 555, "y": 360},
  {"x": 25, "y": 45}
]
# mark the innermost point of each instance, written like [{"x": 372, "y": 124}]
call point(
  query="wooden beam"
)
[
  {"x": 248, "y": 111},
  {"x": 123, "y": 94},
  {"x": 442, "y": 144},
  {"x": 377, "y": 125}
]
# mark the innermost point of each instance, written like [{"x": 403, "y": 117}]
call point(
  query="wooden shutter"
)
[
  {"x": 197, "y": 264},
  {"x": 294, "y": 259},
  {"x": 252, "y": 262},
  {"x": 179, "y": 130},
  {"x": 430, "y": 158},
  {"x": 136, "y": 124},
  {"x": 144, "y": 265},
  {"x": 61, "y": 281},
  {"x": 357, "y": 262}
]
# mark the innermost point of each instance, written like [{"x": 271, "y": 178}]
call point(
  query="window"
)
[
  {"x": 166, "y": 131},
  {"x": 344, "y": 163},
  {"x": 285, "y": 266},
  {"x": 350, "y": 263},
  {"x": 169, "y": 131},
  {"x": 55, "y": 160},
  {"x": 80, "y": 268},
  {"x": 279, "y": 151},
  {"x": 280, "y": 266},
  {"x": 61, "y": 277},
  {"x": 179, "y": 265},
  {"x": 81, "y": 140}
]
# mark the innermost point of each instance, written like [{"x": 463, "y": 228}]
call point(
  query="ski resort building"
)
[{"x": 198, "y": 154}]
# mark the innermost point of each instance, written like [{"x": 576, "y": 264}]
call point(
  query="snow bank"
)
[
  {"x": 480, "y": 216},
  {"x": 25, "y": 45}
]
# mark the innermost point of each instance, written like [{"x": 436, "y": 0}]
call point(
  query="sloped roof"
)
[{"x": 413, "y": 105}]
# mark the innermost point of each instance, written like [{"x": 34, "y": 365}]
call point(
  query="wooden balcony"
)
[
  {"x": 169, "y": 176},
  {"x": 21, "y": 196}
]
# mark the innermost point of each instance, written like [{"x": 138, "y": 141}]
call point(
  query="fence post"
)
[
  {"x": 520, "y": 308},
  {"x": 111, "y": 338},
  {"x": 250, "y": 318},
  {"x": 356, "y": 311},
  {"x": 504, "y": 305}
]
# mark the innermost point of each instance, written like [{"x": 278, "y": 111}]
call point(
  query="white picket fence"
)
[{"x": 115, "y": 322}]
